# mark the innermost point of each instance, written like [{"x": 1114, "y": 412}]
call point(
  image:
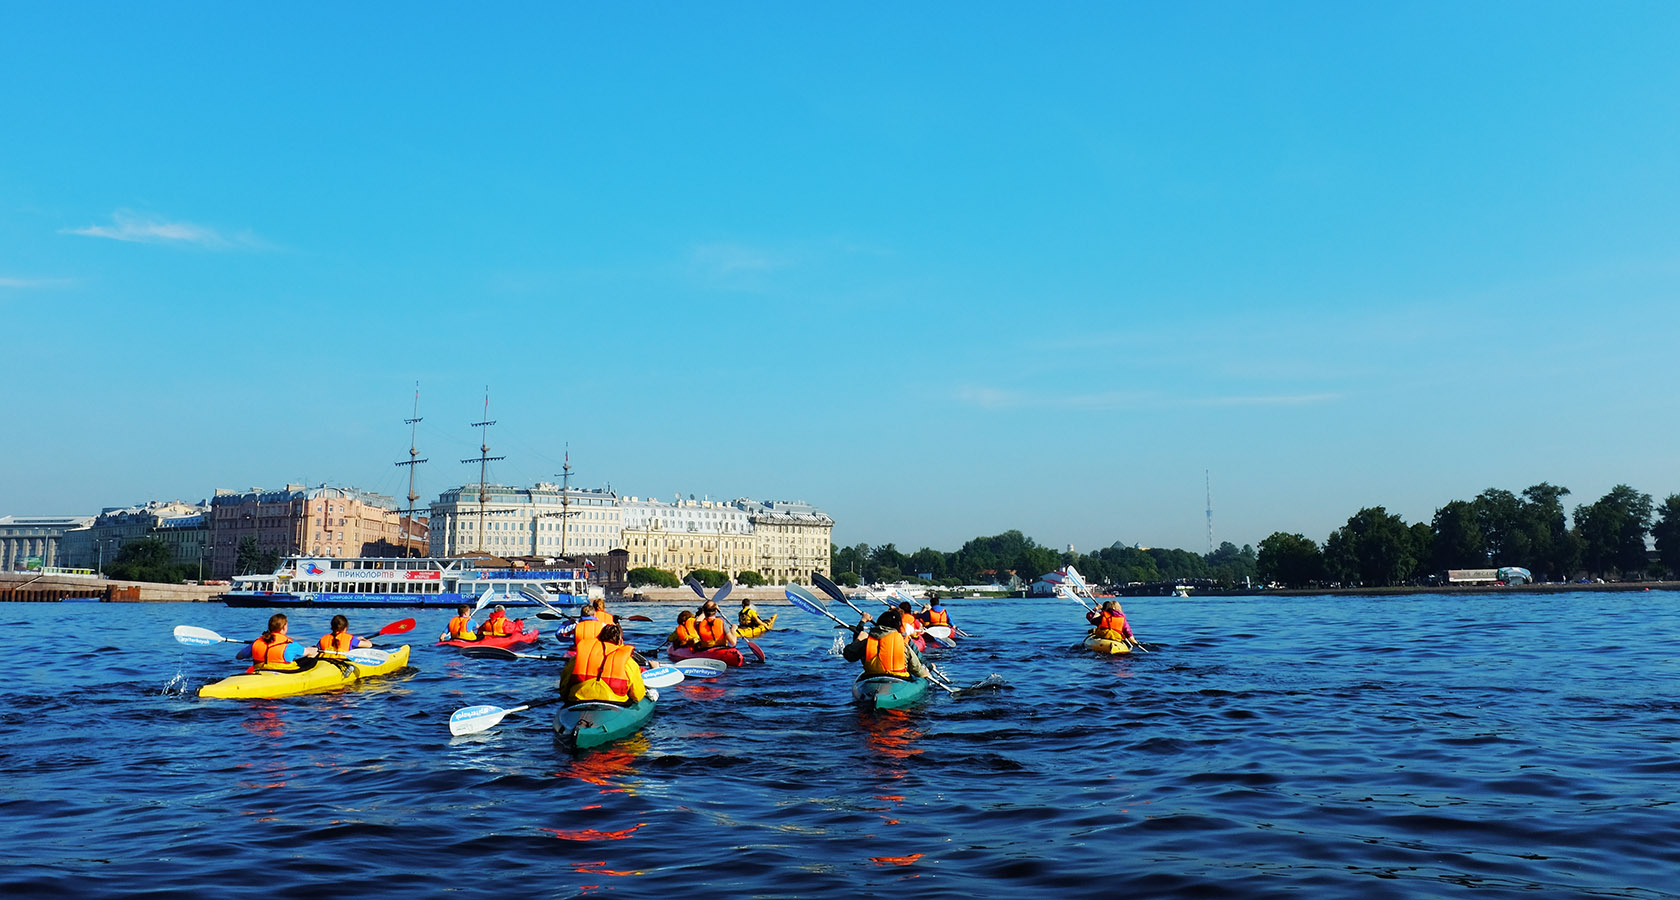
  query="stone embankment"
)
[{"x": 28, "y": 587}]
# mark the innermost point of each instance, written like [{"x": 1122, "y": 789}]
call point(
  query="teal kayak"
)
[
  {"x": 581, "y": 726},
  {"x": 888, "y": 691}
]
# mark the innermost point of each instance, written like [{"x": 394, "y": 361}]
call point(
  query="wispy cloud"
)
[
  {"x": 142, "y": 229},
  {"x": 1000, "y": 398},
  {"x": 728, "y": 260},
  {"x": 26, "y": 284}
]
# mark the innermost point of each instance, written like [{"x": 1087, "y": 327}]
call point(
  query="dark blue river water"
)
[{"x": 1494, "y": 745}]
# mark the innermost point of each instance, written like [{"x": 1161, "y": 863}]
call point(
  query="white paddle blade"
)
[
  {"x": 197, "y": 637},
  {"x": 693, "y": 671},
  {"x": 474, "y": 719},
  {"x": 937, "y": 632},
  {"x": 701, "y": 662},
  {"x": 664, "y": 676},
  {"x": 941, "y": 641},
  {"x": 368, "y": 656}
]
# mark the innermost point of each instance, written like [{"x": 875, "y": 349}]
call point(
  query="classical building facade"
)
[
  {"x": 783, "y": 541},
  {"x": 792, "y": 539},
  {"x": 319, "y": 521},
  {"x": 541, "y": 521},
  {"x": 99, "y": 543},
  {"x": 31, "y": 542},
  {"x": 685, "y": 535}
]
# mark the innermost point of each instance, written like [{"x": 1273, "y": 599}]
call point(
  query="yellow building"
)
[{"x": 781, "y": 541}]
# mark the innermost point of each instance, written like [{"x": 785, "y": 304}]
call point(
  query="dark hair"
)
[
  {"x": 339, "y": 623},
  {"x": 904, "y": 606},
  {"x": 276, "y": 623},
  {"x": 684, "y": 616},
  {"x": 891, "y": 619},
  {"x": 612, "y": 634}
]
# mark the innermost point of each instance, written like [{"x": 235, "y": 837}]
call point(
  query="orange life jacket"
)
[
  {"x": 269, "y": 653},
  {"x": 606, "y": 618},
  {"x": 498, "y": 625},
  {"x": 686, "y": 635},
  {"x": 888, "y": 654},
  {"x": 607, "y": 663},
  {"x": 1112, "y": 621},
  {"x": 586, "y": 630},
  {"x": 337, "y": 643},
  {"x": 459, "y": 625},
  {"x": 938, "y": 617},
  {"x": 712, "y": 632}
]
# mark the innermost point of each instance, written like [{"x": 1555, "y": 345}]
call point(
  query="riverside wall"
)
[{"x": 29, "y": 587}]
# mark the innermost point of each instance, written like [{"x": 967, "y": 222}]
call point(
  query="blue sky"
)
[{"x": 940, "y": 269}]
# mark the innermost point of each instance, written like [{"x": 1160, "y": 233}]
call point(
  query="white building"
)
[
  {"x": 30, "y": 542},
  {"x": 541, "y": 520},
  {"x": 685, "y": 535}
]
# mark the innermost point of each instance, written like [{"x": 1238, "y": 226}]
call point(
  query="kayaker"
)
[
  {"x": 748, "y": 617},
  {"x": 1109, "y": 623},
  {"x": 603, "y": 670},
  {"x": 341, "y": 639},
  {"x": 274, "y": 650},
  {"x": 935, "y": 614},
  {"x": 460, "y": 627},
  {"x": 713, "y": 628},
  {"x": 909, "y": 624},
  {"x": 886, "y": 651},
  {"x": 588, "y": 628},
  {"x": 499, "y": 625},
  {"x": 687, "y": 634}
]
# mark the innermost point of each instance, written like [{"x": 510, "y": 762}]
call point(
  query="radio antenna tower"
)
[
  {"x": 1209, "y": 477},
  {"x": 411, "y": 462},
  {"x": 483, "y": 459}
]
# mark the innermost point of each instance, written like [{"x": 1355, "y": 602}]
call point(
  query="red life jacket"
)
[
  {"x": 887, "y": 655},
  {"x": 337, "y": 643},
  {"x": 712, "y": 632}
]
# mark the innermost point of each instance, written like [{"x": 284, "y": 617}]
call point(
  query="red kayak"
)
[
  {"x": 518, "y": 641},
  {"x": 729, "y": 656}
]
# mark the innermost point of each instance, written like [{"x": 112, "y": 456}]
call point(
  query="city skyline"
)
[{"x": 940, "y": 277}]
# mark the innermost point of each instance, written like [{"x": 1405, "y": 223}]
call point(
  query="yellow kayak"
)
[
  {"x": 752, "y": 631},
  {"x": 315, "y": 674},
  {"x": 1105, "y": 646}
]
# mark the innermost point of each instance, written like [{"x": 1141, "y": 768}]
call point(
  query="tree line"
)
[
  {"x": 1375, "y": 548},
  {"x": 987, "y": 560}
]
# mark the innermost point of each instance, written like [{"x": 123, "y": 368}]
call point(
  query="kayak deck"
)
[
  {"x": 580, "y": 726},
  {"x": 888, "y": 691},
  {"x": 729, "y": 656},
  {"x": 1105, "y": 646},
  {"x": 519, "y": 641},
  {"x": 321, "y": 674}
]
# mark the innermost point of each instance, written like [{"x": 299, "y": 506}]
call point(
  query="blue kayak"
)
[
  {"x": 580, "y": 726},
  {"x": 888, "y": 691}
]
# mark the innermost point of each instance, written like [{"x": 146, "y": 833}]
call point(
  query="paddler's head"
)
[
  {"x": 277, "y": 624},
  {"x": 463, "y": 610},
  {"x": 340, "y": 624},
  {"x": 684, "y": 616},
  {"x": 889, "y": 621},
  {"x": 904, "y": 607},
  {"x": 612, "y": 634}
]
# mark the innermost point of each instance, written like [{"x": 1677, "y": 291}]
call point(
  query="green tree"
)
[
  {"x": 146, "y": 559},
  {"x": 1291, "y": 560},
  {"x": 849, "y": 579},
  {"x": 1229, "y": 565},
  {"x": 749, "y": 578},
  {"x": 1504, "y": 523},
  {"x": 646, "y": 575},
  {"x": 1612, "y": 531},
  {"x": 929, "y": 562},
  {"x": 248, "y": 557},
  {"x": 1374, "y": 548},
  {"x": 710, "y": 578},
  {"x": 1458, "y": 542},
  {"x": 1667, "y": 533},
  {"x": 1556, "y": 550}
]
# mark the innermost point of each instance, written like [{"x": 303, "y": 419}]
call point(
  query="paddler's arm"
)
[
  {"x": 916, "y": 666},
  {"x": 566, "y": 677},
  {"x": 853, "y": 652},
  {"x": 638, "y": 689}
]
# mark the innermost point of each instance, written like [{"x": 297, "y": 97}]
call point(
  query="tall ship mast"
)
[
  {"x": 412, "y": 461},
  {"x": 483, "y": 459}
]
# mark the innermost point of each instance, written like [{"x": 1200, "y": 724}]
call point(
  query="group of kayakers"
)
[
  {"x": 460, "y": 628},
  {"x": 274, "y": 648}
]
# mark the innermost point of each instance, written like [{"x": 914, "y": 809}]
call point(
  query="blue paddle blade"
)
[{"x": 802, "y": 600}]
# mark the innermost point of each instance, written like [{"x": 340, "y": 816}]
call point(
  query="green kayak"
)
[
  {"x": 888, "y": 691},
  {"x": 581, "y": 726}
]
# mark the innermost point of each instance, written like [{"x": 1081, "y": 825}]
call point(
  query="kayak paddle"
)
[
  {"x": 403, "y": 626},
  {"x": 833, "y": 590},
  {"x": 473, "y": 719},
  {"x": 201, "y": 637}
]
